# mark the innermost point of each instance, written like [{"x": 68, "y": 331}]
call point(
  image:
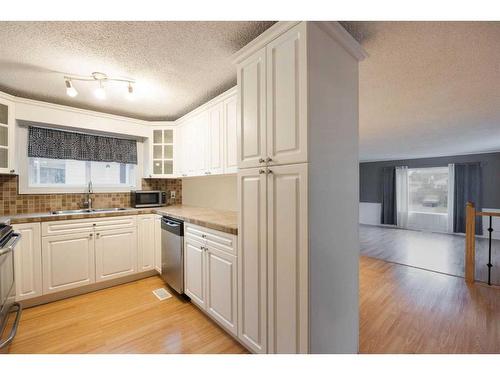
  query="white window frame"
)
[{"x": 23, "y": 163}]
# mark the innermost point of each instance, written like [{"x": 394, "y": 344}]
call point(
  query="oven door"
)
[
  {"x": 147, "y": 199},
  {"x": 10, "y": 311}
]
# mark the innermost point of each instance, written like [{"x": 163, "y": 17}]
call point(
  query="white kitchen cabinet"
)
[
  {"x": 214, "y": 150},
  {"x": 252, "y": 259},
  {"x": 157, "y": 243},
  {"x": 221, "y": 285},
  {"x": 286, "y": 67},
  {"x": 115, "y": 253},
  {"x": 230, "y": 134},
  {"x": 7, "y": 141},
  {"x": 68, "y": 261},
  {"x": 146, "y": 242},
  {"x": 251, "y": 125},
  {"x": 28, "y": 261},
  {"x": 162, "y": 151},
  {"x": 287, "y": 256},
  {"x": 194, "y": 271}
]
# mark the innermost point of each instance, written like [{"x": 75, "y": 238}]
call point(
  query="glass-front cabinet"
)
[
  {"x": 6, "y": 136},
  {"x": 162, "y": 152}
]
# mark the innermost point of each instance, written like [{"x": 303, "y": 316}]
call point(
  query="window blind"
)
[{"x": 59, "y": 144}]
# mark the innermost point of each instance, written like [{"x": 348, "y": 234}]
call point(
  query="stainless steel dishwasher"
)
[{"x": 172, "y": 253}]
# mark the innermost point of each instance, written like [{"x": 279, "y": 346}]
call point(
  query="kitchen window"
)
[{"x": 77, "y": 173}]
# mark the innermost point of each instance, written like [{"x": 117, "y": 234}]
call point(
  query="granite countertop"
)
[{"x": 222, "y": 220}]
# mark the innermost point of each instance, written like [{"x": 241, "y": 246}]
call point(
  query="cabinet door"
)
[
  {"x": 28, "y": 261},
  {"x": 214, "y": 146},
  {"x": 194, "y": 271},
  {"x": 287, "y": 259},
  {"x": 6, "y": 136},
  {"x": 68, "y": 261},
  {"x": 157, "y": 223},
  {"x": 145, "y": 242},
  {"x": 221, "y": 287},
  {"x": 252, "y": 110},
  {"x": 287, "y": 97},
  {"x": 230, "y": 135},
  {"x": 252, "y": 259},
  {"x": 116, "y": 253}
]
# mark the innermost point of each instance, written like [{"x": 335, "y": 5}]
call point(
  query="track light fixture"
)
[{"x": 101, "y": 79}]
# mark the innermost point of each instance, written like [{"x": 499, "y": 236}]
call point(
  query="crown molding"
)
[
  {"x": 337, "y": 32},
  {"x": 262, "y": 40}
]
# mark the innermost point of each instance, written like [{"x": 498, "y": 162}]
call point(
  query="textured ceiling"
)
[
  {"x": 428, "y": 88},
  {"x": 177, "y": 65}
]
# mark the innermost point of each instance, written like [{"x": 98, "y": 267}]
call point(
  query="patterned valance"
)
[{"x": 58, "y": 144}]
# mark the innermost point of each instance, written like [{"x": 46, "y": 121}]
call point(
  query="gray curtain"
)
[
  {"x": 467, "y": 189},
  {"x": 58, "y": 144},
  {"x": 389, "y": 215}
]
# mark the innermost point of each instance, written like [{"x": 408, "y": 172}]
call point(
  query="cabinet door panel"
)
[
  {"x": 145, "y": 242},
  {"x": 214, "y": 146},
  {"x": 231, "y": 135},
  {"x": 28, "y": 261},
  {"x": 194, "y": 271},
  {"x": 287, "y": 259},
  {"x": 68, "y": 261},
  {"x": 252, "y": 260},
  {"x": 287, "y": 97},
  {"x": 221, "y": 288},
  {"x": 116, "y": 253},
  {"x": 252, "y": 110}
]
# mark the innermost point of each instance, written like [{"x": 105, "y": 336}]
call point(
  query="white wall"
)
[
  {"x": 210, "y": 191},
  {"x": 370, "y": 213}
]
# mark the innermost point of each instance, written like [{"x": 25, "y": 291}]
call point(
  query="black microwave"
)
[{"x": 148, "y": 198}]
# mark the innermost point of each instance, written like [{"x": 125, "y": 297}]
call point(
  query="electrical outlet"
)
[{"x": 172, "y": 194}]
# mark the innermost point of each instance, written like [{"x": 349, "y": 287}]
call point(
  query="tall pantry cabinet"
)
[{"x": 297, "y": 189}]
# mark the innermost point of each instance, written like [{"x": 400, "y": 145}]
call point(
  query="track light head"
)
[
  {"x": 100, "y": 93},
  {"x": 70, "y": 90}
]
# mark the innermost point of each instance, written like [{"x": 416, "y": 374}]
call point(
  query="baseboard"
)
[{"x": 52, "y": 297}]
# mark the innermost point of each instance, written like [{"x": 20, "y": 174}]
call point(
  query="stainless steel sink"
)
[{"x": 86, "y": 211}]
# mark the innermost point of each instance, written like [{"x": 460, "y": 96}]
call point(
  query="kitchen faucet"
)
[{"x": 88, "y": 202}]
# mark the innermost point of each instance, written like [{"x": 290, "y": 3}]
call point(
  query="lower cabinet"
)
[
  {"x": 210, "y": 274},
  {"x": 68, "y": 261},
  {"x": 115, "y": 253},
  {"x": 28, "y": 261},
  {"x": 145, "y": 242}
]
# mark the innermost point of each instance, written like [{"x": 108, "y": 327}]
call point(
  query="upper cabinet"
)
[
  {"x": 6, "y": 136},
  {"x": 162, "y": 152},
  {"x": 207, "y": 138},
  {"x": 272, "y": 87}
]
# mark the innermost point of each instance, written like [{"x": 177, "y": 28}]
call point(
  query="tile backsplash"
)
[{"x": 12, "y": 203}]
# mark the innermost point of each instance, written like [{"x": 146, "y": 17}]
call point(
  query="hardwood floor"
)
[
  {"x": 438, "y": 252},
  {"x": 402, "y": 310},
  {"x": 124, "y": 319},
  {"x": 410, "y": 310}
]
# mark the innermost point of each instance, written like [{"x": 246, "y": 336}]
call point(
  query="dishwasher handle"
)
[{"x": 172, "y": 226}]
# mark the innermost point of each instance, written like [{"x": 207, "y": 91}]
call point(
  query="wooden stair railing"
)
[{"x": 470, "y": 241}]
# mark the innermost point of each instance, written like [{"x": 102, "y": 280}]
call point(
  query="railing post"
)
[{"x": 470, "y": 242}]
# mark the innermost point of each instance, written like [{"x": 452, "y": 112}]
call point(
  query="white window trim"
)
[{"x": 23, "y": 161}]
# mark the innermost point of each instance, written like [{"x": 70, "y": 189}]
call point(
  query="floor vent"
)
[{"x": 161, "y": 294}]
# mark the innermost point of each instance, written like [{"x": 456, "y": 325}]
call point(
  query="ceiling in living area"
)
[
  {"x": 428, "y": 88},
  {"x": 177, "y": 65}
]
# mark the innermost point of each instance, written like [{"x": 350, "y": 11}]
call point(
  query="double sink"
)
[{"x": 86, "y": 211}]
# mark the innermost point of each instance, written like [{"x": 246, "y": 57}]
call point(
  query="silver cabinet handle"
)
[
  {"x": 13, "y": 331},
  {"x": 97, "y": 235},
  {"x": 261, "y": 161},
  {"x": 268, "y": 159},
  {"x": 262, "y": 171},
  {"x": 91, "y": 235},
  {"x": 269, "y": 171}
]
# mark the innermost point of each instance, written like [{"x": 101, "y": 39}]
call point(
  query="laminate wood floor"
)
[
  {"x": 410, "y": 310},
  {"x": 123, "y": 319},
  {"x": 438, "y": 252}
]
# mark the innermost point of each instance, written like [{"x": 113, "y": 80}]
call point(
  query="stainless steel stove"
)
[{"x": 10, "y": 311}]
